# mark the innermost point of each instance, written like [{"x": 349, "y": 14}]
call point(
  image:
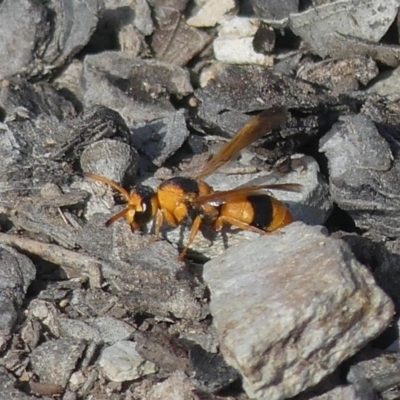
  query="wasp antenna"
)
[
  {"x": 109, "y": 182},
  {"x": 117, "y": 216}
]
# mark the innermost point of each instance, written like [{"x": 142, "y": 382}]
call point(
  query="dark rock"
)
[{"x": 210, "y": 371}]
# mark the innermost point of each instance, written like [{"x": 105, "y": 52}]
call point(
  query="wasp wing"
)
[
  {"x": 225, "y": 196},
  {"x": 254, "y": 129}
]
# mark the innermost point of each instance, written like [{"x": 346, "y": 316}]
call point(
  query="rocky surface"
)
[
  {"x": 310, "y": 294},
  {"x": 140, "y": 91}
]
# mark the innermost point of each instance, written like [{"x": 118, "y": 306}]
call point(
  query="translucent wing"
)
[
  {"x": 254, "y": 129},
  {"x": 241, "y": 192}
]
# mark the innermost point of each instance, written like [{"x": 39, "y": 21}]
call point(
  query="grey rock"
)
[
  {"x": 163, "y": 349},
  {"x": 121, "y": 362},
  {"x": 310, "y": 292},
  {"x": 111, "y": 329},
  {"x": 74, "y": 21},
  {"x": 177, "y": 387},
  {"x": 79, "y": 330},
  {"x": 157, "y": 284},
  {"x": 159, "y": 139},
  {"x": 345, "y": 46},
  {"x": 46, "y": 313},
  {"x": 159, "y": 77},
  {"x": 8, "y": 385},
  {"x": 17, "y": 273},
  {"x": 363, "y": 175},
  {"x": 376, "y": 369},
  {"x": 110, "y": 158},
  {"x": 126, "y": 12},
  {"x": 106, "y": 76},
  {"x": 345, "y": 392},
  {"x": 237, "y": 89},
  {"x": 340, "y": 75},
  {"x": 43, "y": 46},
  {"x": 211, "y": 12},
  {"x": 55, "y": 360},
  {"x": 387, "y": 85},
  {"x": 174, "y": 41},
  {"x": 23, "y": 33},
  {"x": 362, "y": 19},
  {"x": 210, "y": 371},
  {"x": 274, "y": 9}
]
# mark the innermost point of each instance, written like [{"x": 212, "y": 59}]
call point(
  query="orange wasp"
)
[{"x": 178, "y": 198}]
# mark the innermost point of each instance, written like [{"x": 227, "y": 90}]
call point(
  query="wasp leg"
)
[
  {"x": 235, "y": 222},
  {"x": 193, "y": 232}
]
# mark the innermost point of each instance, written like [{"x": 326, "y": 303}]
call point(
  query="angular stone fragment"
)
[
  {"x": 360, "y": 18},
  {"x": 111, "y": 158},
  {"x": 152, "y": 281},
  {"x": 16, "y": 274},
  {"x": 54, "y": 361},
  {"x": 364, "y": 173},
  {"x": 388, "y": 85},
  {"x": 290, "y": 307},
  {"x": 23, "y": 30},
  {"x": 159, "y": 139},
  {"x": 106, "y": 76},
  {"x": 177, "y": 387},
  {"x": 121, "y": 362},
  {"x": 340, "y": 75},
  {"x": 274, "y": 9},
  {"x": 345, "y": 46},
  {"x": 212, "y": 12},
  {"x": 174, "y": 41}
]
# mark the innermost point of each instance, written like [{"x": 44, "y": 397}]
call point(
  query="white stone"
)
[
  {"x": 212, "y": 12},
  {"x": 121, "y": 362},
  {"x": 234, "y": 43}
]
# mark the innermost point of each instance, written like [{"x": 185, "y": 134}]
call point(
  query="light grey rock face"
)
[
  {"x": 121, "y": 362},
  {"x": 368, "y": 20},
  {"x": 290, "y": 307},
  {"x": 364, "y": 173}
]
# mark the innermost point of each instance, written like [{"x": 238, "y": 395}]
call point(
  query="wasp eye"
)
[{"x": 144, "y": 206}]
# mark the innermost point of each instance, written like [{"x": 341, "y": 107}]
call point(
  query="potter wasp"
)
[{"x": 178, "y": 198}]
